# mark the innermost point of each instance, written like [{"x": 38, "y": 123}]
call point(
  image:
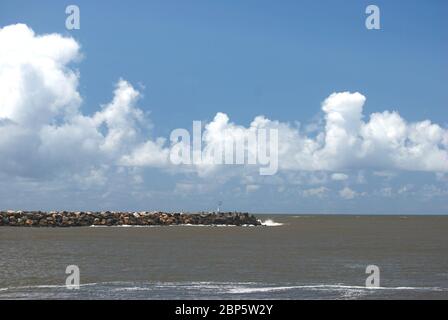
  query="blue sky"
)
[{"x": 192, "y": 59}]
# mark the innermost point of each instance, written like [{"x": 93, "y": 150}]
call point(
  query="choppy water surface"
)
[{"x": 292, "y": 257}]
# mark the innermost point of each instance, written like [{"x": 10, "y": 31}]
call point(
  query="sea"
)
[{"x": 289, "y": 257}]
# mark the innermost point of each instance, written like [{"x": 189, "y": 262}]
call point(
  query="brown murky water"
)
[{"x": 305, "y": 257}]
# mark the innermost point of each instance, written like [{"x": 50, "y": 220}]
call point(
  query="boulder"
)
[{"x": 110, "y": 218}]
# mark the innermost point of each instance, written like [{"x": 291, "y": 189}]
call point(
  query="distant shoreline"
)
[{"x": 112, "y": 218}]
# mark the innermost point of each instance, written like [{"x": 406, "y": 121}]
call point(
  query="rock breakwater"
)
[{"x": 110, "y": 218}]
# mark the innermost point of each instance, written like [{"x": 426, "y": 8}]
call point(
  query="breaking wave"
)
[
  {"x": 271, "y": 223},
  {"x": 210, "y": 290}
]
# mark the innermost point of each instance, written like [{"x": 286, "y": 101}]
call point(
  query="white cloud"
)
[
  {"x": 36, "y": 86},
  {"x": 150, "y": 153},
  {"x": 44, "y": 134},
  {"x": 315, "y": 192},
  {"x": 186, "y": 188},
  {"x": 42, "y": 129},
  {"x": 339, "y": 176},
  {"x": 385, "y": 143},
  {"x": 348, "y": 193}
]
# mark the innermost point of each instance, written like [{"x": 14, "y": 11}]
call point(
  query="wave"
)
[
  {"x": 54, "y": 286},
  {"x": 329, "y": 287},
  {"x": 230, "y": 290},
  {"x": 270, "y": 223},
  {"x": 233, "y": 287},
  {"x": 260, "y": 289}
]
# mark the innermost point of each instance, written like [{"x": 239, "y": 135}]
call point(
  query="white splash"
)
[{"x": 271, "y": 223}]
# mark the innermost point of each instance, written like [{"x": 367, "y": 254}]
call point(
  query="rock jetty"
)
[{"x": 110, "y": 218}]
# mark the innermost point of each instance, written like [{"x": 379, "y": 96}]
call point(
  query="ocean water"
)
[{"x": 291, "y": 257}]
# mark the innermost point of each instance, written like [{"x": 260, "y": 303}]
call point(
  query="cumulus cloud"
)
[
  {"x": 348, "y": 193},
  {"x": 36, "y": 87},
  {"x": 42, "y": 128},
  {"x": 339, "y": 176},
  {"x": 150, "y": 153},
  {"x": 43, "y": 131},
  {"x": 385, "y": 143},
  {"x": 315, "y": 192}
]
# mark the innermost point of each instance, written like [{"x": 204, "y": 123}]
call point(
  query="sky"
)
[{"x": 86, "y": 115}]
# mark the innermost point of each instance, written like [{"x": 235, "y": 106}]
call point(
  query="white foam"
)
[
  {"x": 230, "y": 287},
  {"x": 261, "y": 289},
  {"x": 271, "y": 223},
  {"x": 132, "y": 289},
  {"x": 49, "y": 286},
  {"x": 325, "y": 287}
]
